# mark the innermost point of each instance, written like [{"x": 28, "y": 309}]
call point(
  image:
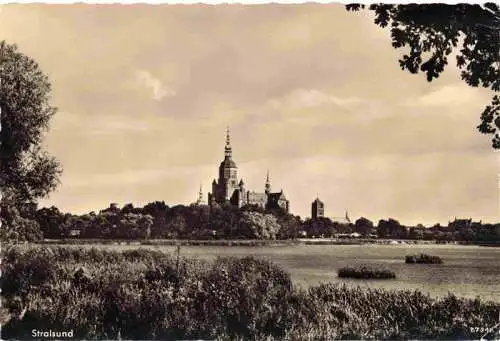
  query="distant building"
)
[
  {"x": 227, "y": 189},
  {"x": 199, "y": 201},
  {"x": 317, "y": 209},
  {"x": 113, "y": 207},
  {"x": 342, "y": 220}
]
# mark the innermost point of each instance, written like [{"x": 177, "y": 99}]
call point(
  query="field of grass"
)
[{"x": 144, "y": 294}]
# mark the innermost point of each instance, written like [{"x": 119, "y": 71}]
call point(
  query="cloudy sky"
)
[{"x": 310, "y": 92}]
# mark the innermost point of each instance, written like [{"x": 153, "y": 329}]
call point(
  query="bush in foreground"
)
[
  {"x": 150, "y": 295},
  {"x": 423, "y": 259},
  {"x": 365, "y": 272}
]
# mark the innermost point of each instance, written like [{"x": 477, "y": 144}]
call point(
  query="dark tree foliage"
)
[
  {"x": 320, "y": 226},
  {"x": 50, "y": 221},
  {"x": 27, "y": 172},
  {"x": 431, "y": 32},
  {"x": 16, "y": 228},
  {"x": 202, "y": 222},
  {"x": 391, "y": 228},
  {"x": 363, "y": 226}
]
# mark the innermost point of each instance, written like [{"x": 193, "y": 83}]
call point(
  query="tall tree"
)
[
  {"x": 50, "y": 221},
  {"x": 257, "y": 225},
  {"x": 27, "y": 172},
  {"x": 431, "y": 32},
  {"x": 363, "y": 226}
]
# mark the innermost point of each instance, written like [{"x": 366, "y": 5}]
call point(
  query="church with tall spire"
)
[
  {"x": 227, "y": 189},
  {"x": 200, "y": 197}
]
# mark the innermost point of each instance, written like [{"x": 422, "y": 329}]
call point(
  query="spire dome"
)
[{"x": 228, "y": 153}]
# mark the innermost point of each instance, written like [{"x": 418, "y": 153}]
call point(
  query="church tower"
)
[
  {"x": 317, "y": 209},
  {"x": 267, "y": 189},
  {"x": 200, "y": 197},
  {"x": 224, "y": 188}
]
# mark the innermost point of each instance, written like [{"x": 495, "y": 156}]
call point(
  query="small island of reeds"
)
[
  {"x": 365, "y": 272},
  {"x": 423, "y": 259}
]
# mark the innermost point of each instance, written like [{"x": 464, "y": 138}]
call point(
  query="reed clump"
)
[
  {"x": 365, "y": 272},
  {"x": 423, "y": 259}
]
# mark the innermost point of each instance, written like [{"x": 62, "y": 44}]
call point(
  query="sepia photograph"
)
[{"x": 264, "y": 172}]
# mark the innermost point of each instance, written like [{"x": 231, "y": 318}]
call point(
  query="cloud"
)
[
  {"x": 310, "y": 98},
  {"x": 315, "y": 108},
  {"x": 446, "y": 96},
  {"x": 154, "y": 85},
  {"x": 100, "y": 125}
]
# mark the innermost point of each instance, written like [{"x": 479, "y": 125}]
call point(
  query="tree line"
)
[{"x": 157, "y": 220}]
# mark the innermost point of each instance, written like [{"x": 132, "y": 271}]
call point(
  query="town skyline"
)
[{"x": 145, "y": 96}]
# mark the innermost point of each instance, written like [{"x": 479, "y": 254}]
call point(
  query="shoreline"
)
[{"x": 257, "y": 242}]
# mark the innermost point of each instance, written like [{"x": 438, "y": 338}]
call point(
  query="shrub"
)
[
  {"x": 23, "y": 271},
  {"x": 245, "y": 297}
]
